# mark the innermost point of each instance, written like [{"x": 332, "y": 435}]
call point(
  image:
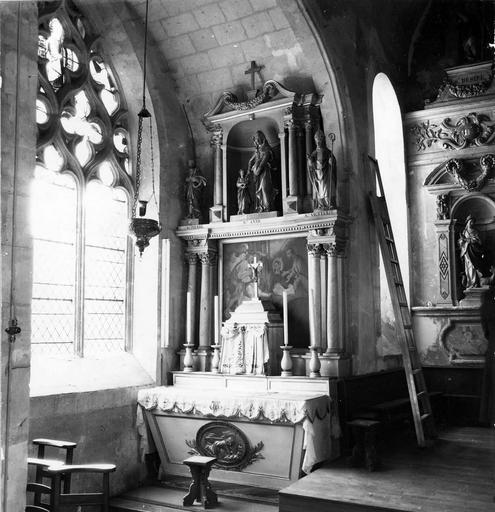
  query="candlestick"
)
[
  {"x": 215, "y": 319},
  {"x": 188, "y": 317},
  {"x": 286, "y": 318}
]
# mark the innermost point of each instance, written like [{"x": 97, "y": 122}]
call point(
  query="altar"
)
[{"x": 265, "y": 437}]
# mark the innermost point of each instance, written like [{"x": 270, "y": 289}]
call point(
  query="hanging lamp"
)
[{"x": 141, "y": 227}]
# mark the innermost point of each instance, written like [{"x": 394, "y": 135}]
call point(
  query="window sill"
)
[{"x": 55, "y": 376}]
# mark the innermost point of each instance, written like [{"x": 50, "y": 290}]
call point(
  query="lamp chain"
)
[
  {"x": 138, "y": 165},
  {"x": 153, "y": 170}
]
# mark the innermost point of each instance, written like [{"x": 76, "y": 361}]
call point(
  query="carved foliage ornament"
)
[
  {"x": 466, "y": 180},
  {"x": 471, "y": 130},
  {"x": 227, "y": 443}
]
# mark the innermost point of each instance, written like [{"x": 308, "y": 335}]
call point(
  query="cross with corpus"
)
[
  {"x": 252, "y": 70},
  {"x": 256, "y": 267}
]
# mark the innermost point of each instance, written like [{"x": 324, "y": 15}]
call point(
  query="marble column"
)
[
  {"x": 192, "y": 289},
  {"x": 334, "y": 345},
  {"x": 308, "y": 127},
  {"x": 216, "y": 211},
  {"x": 283, "y": 164},
  {"x": 292, "y": 159},
  {"x": 323, "y": 298},
  {"x": 314, "y": 292},
  {"x": 205, "y": 310}
]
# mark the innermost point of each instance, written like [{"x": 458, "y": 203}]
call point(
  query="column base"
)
[
  {"x": 216, "y": 213},
  {"x": 292, "y": 204},
  {"x": 335, "y": 365},
  {"x": 204, "y": 355}
]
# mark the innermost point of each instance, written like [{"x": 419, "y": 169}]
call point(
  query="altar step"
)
[{"x": 166, "y": 498}]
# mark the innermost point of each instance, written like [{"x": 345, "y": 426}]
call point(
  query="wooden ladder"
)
[{"x": 418, "y": 395}]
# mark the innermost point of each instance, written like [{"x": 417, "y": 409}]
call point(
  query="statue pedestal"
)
[
  {"x": 292, "y": 204},
  {"x": 216, "y": 213},
  {"x": 189, "y": 222},
  {"x": 251, "y": 338},
  {"x": 253, "y": 216},
  {"x": 472, "y": 297}
]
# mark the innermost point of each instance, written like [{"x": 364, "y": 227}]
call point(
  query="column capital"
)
[
  {"x": 314, "y": 249},
  {"x": 217, "y": 138},
  {"x": 191, "y": 257},
  {"x": 207, "y": 258},
  {"x": 332, "y": 249}
]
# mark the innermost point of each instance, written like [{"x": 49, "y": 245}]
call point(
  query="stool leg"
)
[
  {"x": 106, "y": 492},
  {"x": 357, "y": 456},
  {"x": 55, "y": 493},
  {"x": 371, "y": 459},
  {"x": 194, "y": 488},
  {"x": 210, "y": 497}
]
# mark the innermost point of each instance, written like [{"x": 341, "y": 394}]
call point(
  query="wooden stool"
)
[
  {"x": 200, "y": 489},
  {"x": 364, "y": 450}
]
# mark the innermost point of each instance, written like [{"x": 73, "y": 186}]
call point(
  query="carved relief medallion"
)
[{"x": 227, "y": 443}]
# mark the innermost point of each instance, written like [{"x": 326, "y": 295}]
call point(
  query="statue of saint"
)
[
  {"x": 476, "y": 260},
  {"x": 260, "y": 165},
  {"x": 194, "y": 183},
  {"x": 243, "y": 195},
  {"x": 322, "y": 169}
]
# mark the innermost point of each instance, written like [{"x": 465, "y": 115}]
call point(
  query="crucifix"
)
[
  {"x": 256, "y": 267},
  {"x": 252, "y": 70}
]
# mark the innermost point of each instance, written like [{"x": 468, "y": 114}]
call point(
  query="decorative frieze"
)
[{"x": 470, "y": 130}]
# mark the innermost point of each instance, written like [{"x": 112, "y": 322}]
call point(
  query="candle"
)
[
  {"x": 312, "y": 320},
  {"x": 286, "y": 318},
  {"x": 255, "y": 260},
  {"x": 188, "y": 317},
  {"x": 216, "y": 320}
]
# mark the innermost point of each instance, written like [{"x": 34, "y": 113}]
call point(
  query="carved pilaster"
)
[
  {"x": 292, "y": 202},
  {"x": 442, "y": 228}
]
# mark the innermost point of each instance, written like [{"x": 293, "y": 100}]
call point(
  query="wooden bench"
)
[{"x": 380, "y": 397}]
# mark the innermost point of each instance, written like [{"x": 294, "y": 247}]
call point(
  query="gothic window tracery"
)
[{"x": 80, "y": 196}]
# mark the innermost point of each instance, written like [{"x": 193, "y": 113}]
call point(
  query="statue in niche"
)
[
  {"x": 260, "y": 166},
  {"x": 322, "y": 169},
  {"x": 442, "y": 207},
  {"x": 243, "y": 195},
  {"x": 194, "y": 183},
  {"x": 476, "y": 261}
]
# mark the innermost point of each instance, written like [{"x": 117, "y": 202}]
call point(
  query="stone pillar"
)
[
  {"x": 314, "y": 292},
  {"x": 292, "y": 200},
  {"x": 192, "y": 289},
  {"x": 216, "y": 211},
  {"x": 334, "y": 345}
]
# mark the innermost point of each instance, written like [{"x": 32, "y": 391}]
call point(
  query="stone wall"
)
[{"x": 18, "y": 46}]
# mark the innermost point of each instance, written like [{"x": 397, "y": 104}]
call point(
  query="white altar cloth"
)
[{"x": 310, "y": 409}]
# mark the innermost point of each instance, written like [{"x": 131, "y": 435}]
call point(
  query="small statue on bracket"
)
[
  {"x": 477, "y": 263},
  {"x": 243, "y": 195},
  {"x": 194, "y": 182},
  {"x": 322, "y": 169},
  {"x": 260, "y": 166}
]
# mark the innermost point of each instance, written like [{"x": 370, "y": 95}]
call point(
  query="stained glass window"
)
[{"x": 80, "y": 195}]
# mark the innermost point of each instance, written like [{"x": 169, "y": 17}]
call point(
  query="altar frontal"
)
[{"x": 263, "y": 439}]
